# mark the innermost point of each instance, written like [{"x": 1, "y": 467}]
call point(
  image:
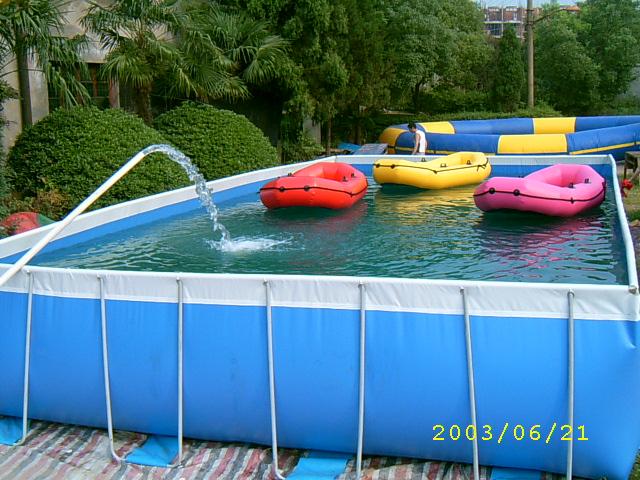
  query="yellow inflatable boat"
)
[{"x": 462, "y": 168}]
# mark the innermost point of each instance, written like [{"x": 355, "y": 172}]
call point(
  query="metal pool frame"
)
[{"x": 603, "y": 305}]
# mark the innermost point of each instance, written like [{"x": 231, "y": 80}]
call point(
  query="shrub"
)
[
  {"x": 68, "y": 154},
  {"x": 221, "y": 143},
  {"x": 305, "y": 148},
  {"x": 6, "y": 92},
  {"x": 446, "y": 100}
]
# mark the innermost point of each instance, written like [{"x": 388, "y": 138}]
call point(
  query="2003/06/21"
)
[{"x": 519, "y": 433}]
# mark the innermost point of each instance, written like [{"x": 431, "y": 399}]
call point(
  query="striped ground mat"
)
[{"x": 66, "y": 452}]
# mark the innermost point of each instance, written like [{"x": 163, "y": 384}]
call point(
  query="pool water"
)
[{"x": 393, "y": 232}]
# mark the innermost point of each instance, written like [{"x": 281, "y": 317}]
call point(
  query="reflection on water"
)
[
  {"x": 396, "y": 231},
  {"x": 530, "y": 246}
]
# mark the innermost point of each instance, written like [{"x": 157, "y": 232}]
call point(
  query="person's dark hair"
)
[{"x": 412, "y": 125}]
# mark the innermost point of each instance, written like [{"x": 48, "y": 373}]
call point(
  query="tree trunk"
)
[
  {"x": 143, "y": 103},
  {"x": 531, "y": 99},
  {"x": 358, "y": 131},
  {"x": 24, "y": 86},
  {"x": 416, "y": 96}
]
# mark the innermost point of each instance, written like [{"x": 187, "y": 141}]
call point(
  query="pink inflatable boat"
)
[{"x": 560, "y": 190}]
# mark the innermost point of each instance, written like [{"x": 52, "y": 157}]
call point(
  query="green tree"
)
[
  {"x": 422, "y": 45},
  {"x": 612, "y": 39},
  {"x": 141, "y": 38},
  {"x": 318, "y": 32},
  {"x": 33, "y": 30},
  {"x": 363, "y": 50},
  {"x": 252, "y": 55},
  {"x": 509, "y": 77},
  {"x": 437, "y": 42},
  {"x": 566, "y": 75}
]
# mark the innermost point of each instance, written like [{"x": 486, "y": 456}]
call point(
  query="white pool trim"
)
[{"x": 489, "y": 298}]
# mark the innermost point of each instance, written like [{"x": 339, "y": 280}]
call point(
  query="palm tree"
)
[
  {"x": 152, "y": 39},
  {"x": 32, "y": 30},
  {"x": 254, "y": 56},
  {"x": 196, "y": 50}
]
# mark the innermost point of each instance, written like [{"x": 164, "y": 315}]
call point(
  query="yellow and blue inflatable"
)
[{"x": 513, "y": 136}]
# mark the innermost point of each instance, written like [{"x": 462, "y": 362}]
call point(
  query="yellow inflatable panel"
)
[
  {"x": 462, "y": 168},
  {"x": 438, "y": 127},
  {"x": 554, "y": 125},
  {"x": 390, "y": 135},
  {"x": 544, "y": 143}
]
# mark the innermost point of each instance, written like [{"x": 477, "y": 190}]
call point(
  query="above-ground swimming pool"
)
[{"x": 547, "y": 307}]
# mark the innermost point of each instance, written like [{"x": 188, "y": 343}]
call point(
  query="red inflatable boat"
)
[{"x": 323, "y": 184}]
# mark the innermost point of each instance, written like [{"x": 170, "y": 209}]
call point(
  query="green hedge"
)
[
  {"x": 65, "y": 156},
  {"x": 305, "y": 148},
  {"x": 221, "y": 143}
]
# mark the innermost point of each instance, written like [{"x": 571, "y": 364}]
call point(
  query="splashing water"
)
[
  {"x": 243, "y": 244},
  {"x": 206, "y": 199}
]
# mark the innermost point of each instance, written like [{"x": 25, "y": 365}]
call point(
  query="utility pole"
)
[{"x": 530, "y": 77}]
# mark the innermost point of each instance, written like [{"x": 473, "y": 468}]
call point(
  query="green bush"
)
[
  {"x": 305, "y": 148},
  {"x": 221, "y": 143},
  {"x": 446, "y": 100},
  {"x": 69, "y": 153},
  {"x": 6, "y": 92}
]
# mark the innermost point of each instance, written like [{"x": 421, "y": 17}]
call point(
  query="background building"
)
[{"x": 497, "y": 19}]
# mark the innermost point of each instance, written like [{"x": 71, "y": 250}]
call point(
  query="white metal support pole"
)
[
  {"x": 571, "y": 382},
  {"x": 27, "y": 362},
  {"x": 86, "y": 203},
  {"x": 361, "y": 385},
  {"x": 180, "y": 371},
  {"x": 472, "y": 388},
  {"x": 105, "y": 369},
  {"x": 272, "y": 384}
]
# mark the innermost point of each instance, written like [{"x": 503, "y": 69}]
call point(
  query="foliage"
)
[
  {"x": 34, "y": 29},
  {"x": 140, "y": 37},
  {"x": 509, "y": 77},
  {"x": 611, "y": 35},
  {"x": 436, "y": 42},
  {"x": 626, "y": 105},
  {"x": 68, "y": 154},
  {"x": 446, "y": 100},
  {"x": 6, "y": 92},
  {"x": 304, "y": 148},
  {"x": 251, "y": 53},
  {"x": 567, "y": 77},
  {"x": 221, "y": 143}
]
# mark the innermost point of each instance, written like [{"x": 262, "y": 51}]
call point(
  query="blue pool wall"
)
[{"x": 415, "y": 371}]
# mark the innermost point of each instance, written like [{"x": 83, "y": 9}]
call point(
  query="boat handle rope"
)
[{"x": 518, "y": 193}]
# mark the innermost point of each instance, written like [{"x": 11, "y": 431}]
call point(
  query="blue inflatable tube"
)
[{"x": 613, "y": 135}]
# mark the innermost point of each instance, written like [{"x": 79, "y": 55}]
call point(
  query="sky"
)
[{"x": 521, "y": 3}]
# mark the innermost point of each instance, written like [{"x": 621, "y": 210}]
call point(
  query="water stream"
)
[{"x": 205, "y": 194}]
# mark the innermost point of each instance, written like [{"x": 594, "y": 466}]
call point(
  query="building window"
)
[{"x": 99, "y": 89}]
